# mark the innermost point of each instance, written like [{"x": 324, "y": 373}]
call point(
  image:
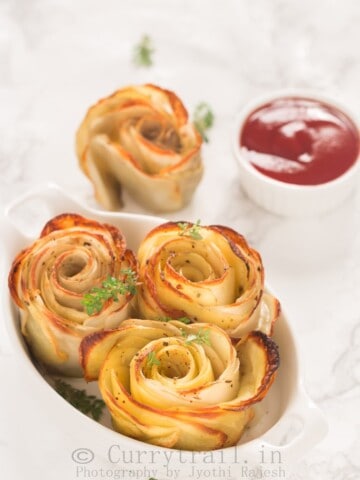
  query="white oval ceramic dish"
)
[
  {"x": 287, "y": 422},
  {"x": 285, "y": 198}
]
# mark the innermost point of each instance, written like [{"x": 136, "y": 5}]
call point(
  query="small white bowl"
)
[
  {"x": 287, "y": 423},
  {"x": 284, "y": 198}
]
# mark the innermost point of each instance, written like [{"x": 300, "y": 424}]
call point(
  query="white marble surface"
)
[{"x": 59, "y": 56}]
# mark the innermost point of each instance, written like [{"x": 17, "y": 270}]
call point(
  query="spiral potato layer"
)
[
  {"x": 180, "y": 386},
  {"x": 139, "y": 138},
  {"x": 49, "y": 279},
  {"x": 215, "y": 278}
]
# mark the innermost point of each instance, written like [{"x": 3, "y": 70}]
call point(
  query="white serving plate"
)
[{"x": 287, "y": 422}]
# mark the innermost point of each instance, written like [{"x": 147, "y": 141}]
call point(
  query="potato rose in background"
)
[
  {"x": 49, "y": 279},
  {"x": 208, "y": 274},
  {"x": 180, "y": 386},
  {"x": 140, "y": 139}
]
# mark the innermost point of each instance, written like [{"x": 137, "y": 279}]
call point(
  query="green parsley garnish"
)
[
  {"x": 152, "y": 359},
  {"x": 85, "y": 403},
  {"x": 203, "y": 119},
  {"x": 143, "y": 52},
  {"x": 202, "y": 337},
  {"x": 111, "y": 288},
  {"x": 188, "y": 230},
  {"x": 185, "y": 320}
]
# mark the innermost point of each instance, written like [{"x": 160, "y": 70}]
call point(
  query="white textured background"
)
[{"x": 58, "y": 57}]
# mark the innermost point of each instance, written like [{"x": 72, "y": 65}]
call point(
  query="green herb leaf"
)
[
  {"x": 111, "y": 289},
  {"x": 203, "y": 119},
  {"x": 151, "y": 359},
  {"x": 85, "y": 403},
  {"x": 184, "y": 227},
  {"x": 185, "y": 320},
  {"x": 202, "y": 337},
  {"x": 164, "y": 319},
  {"x": 188, "y": 230},
  {"x": 143, "y": 52}
]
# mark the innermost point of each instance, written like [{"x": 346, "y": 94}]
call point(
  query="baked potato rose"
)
[
  {"x": 140, "y": 139},
  {"x": 49, "y": 279},
  {"x": 208, "y": 274},
  {"x": 180, "y": 386}
]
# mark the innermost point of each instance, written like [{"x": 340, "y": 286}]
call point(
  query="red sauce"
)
[{"x": 300, "y": 141}]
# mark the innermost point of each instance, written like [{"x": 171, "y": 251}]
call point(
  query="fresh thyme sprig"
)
[
  {"x": 85, "y": 403},
  {"x": 152, "y": 359},
  {"x": 202, "y": 337},
  {"x": 143, "y": 52},
  {"x": 111, "y": 288},
  {"x": 188, "y": 230},
  {"x": 203, "y": 119}
]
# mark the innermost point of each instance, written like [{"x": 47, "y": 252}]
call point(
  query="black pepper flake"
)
[{"x": 165, "y": 344}]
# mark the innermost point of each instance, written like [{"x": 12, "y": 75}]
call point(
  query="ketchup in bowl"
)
[{"x": 299, "y": 140}]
